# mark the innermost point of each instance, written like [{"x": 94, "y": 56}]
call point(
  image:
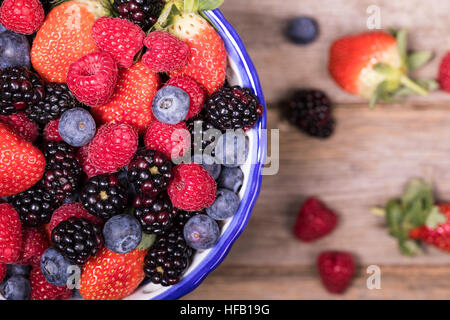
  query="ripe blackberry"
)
[
  {"x": 77, "y": 239},
  {"x": 144, "y": 13},
  {"x": 62, "y": 176},
  {"x": 310, "y": 110},
  {"x": 183, "y": 216},
  {"x": 58, "y": 99},
  {"x": 155, "y": 214},
  {"x": 35, "y": 205},
  {"x": 233, "y": 108},
  {"x": 19, "y": 88},
  {"x": 150, "y": 172},
  {"x": 104, "y": 196},
  {"x": 168, "y": 259},
  {"x": 50, "y": 148},
  {"x": 198, "y": 127}
]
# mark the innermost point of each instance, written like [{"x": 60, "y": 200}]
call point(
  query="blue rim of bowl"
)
[{"x": 217, "y": 254}]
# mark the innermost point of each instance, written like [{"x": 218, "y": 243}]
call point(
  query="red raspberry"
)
[
  {"x": 197, "y": 94},
  {"x": 120, "y": 38},
  {"x": 22, "y": 16},
  {"x": 444, "y": 73},
  {"x": 165, "y": 52},
  {"x": 113, "y": 147},
  {"x": 192, "y": 188},
  {"x": 51, "y": 132},
  {"x": 88, "y": 168},
  {"x": 93, "y": 77},
  {"x": 2, "y": 271},
  {"x": 336, "y": 270},
  {"x": 34, "y": 243},
  {"x": 10, "y": 234},
  {"x": 314, "y": 221},
  {"x": 22, "y": 125},
  {"x": 171, "y": 139},
  {"x": 41, "y": 289}
]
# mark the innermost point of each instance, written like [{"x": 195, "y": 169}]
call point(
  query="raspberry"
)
[
  {"x": 192, "y": 188},
  {"x": 2, "y": 271},
  {"x": 120, "y": 38},
  {"x": 22, "y": 16},
  {"x": 444, "y": 73},
  {"x": 113, "y": 147},
  {"x": 92, "y": 78},
  {"x": 336, "y": 270},
  {"x": 88, "y": 168},
  {"x": 165, "y": 52},
  {"x": 171, "y": 140},
  {"x": 51, "y": 132},
  {"x": 41, "y": 289},
  {"x": 10, "y": 234},
  {"x": 34, "y": 243},
  {"x": 197, "y": 94},
  {"x": 22, "y": 125}
]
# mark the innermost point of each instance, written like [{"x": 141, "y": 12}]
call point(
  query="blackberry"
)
[
  {"x": 19, "y": 88},
  {"x": 77, "y": 239},
  {"x": 198, "y": 126},
  {"x": 310, "y": 110},
  {"x": 233, "y": 108},
  {"x": 35, "y": 205},
  {"x": 155, "y": 214},
  {"x": 183, "y": 216},
  {"x": 150, "y": 172},
  {"x": 62, "y": 176},
  {"x": 144, "y": 13},
  {"x": 168, "y": 259},
  {"x": 104, "y": 196},
  {"x": 50, "y": 148},
  {"x": 58, "y": 99}
]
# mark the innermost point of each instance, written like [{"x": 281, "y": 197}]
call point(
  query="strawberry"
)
[
  {"x": 34, "y": 243},
  {"x": 22, "y": 16},
  {"x": 65, "y": 37},
  {"x": 21, "y": 163},
  {"x": 444, "y": 73},
  {"x": 197, "y": 94},
  {"x": 21, "y": 124},
  {"x": 41, "y": 289},
  {"x": 375, "y": 65},
  {"x": 92, "y": 78},
  {"x": 10, "y": 234},
  {"x": 120, "y": 38},
  {"x": 132, "y": 100},
  {"x": 314, "y": 221},
  {"x": 336, "y": 269}
]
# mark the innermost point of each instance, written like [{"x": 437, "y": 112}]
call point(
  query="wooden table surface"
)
[{"x": 368, "y": 160}]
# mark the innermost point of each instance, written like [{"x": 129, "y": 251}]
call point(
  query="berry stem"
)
[{"x": 407, "y": 82}]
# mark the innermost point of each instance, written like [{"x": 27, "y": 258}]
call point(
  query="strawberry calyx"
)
[
  {"x": 416, "y": 208},
  {"x": 396, "y": 83}
]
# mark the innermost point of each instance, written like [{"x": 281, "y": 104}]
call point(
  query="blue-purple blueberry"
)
[
  {"x": 171, "y": 105},
  {"x": 14, "y": 50},
  {"x": 225, "y": 205},
  {"x": 302, "y": 30},
  {"x": 77, "y": 127},
  {"x": 231, "y": 179},
  {"x": 55, "y": 267},
  {"x": 16, "y": 288},
  {"x": 122, "y": 233},
  {"x": 201, "y": 232},
  {"x": 17, "y": 270},
  {"x": 209, "y": 163},
  {"x": 232, "y": 149}
]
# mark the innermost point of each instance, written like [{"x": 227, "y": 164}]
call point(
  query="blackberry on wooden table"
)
[
  {"x": 155, "y": 214},
  {"x": 144, "y": 13}
]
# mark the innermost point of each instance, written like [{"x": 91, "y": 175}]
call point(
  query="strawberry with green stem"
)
[{"x": 375, "y": 65}]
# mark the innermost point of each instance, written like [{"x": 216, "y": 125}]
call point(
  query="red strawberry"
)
[
  {"x": 444, "y": 73},
  {"x": 171, "y": 139},
  {"x": 92, "y": 78},
  {"x": 2, "y": 271},
  {"x": 34, "y": 243},
  {"x": 113, "y": 147},
  {"x": 165, "y": 52},
  {"x": 207, "y": 62},
  {"x": 21, "y": 164},
  {"x": 314, "y": 220},
  {"x": 22, "y": 125},
  {"x": 41, "y": 289},
  {"x": 374, "y": 65},
  {"x": 10, "y": 234},
  {"x": 132, "y": 100},
  {"x": 120, "y": 38},
  {"x": 51, "y": 131},
  {"x": 192, "y": 188},
  {"x": 336, "y": 270},
  {"x": 197, "y": 94},
  {"x": 22, "y": 16},
  {"x": 112, "y": 276}
]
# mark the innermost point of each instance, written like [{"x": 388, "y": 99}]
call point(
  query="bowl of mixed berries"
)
[{"x": 132, "y": 145}]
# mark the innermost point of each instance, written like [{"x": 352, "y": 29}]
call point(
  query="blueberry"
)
[
  {"x": 122, "y": 233},
  {"x": 77, "y": 294},
  {"x": 16, "y": 288},
  {"x": 77, "y": 127},
  {"x": 14, "y": 50},
  {"x": 55, "y": 267},
  {"x": 17, "y": 270},
  {"x": 208, "y": 163},
  {"x": 225, "y": 205},
  {"x": 2, "y": 28},
  {"x": 171, "y": 105},
  {"x": 302, "y": 30},
  {"x": 201, "y": 232},
  {"x": 231, "y": 179},
  {"x": 232, "y": 148}
]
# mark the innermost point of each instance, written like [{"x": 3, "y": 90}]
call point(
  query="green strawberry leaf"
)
[
  {"x": 394, "y": 216},
  {"x": 209, "y": 4},
  {"x": 402, "y": 46},
  {"x": 191, "y": 6},
  {"x": 418, "y": 59},
  {"x": 428, "y": 84},
  {"x": 409, "y": 247},
  {"x": 418, "y": 188},
  {"x": 147, "y": 241},
  {"x": 165, "y": 18},
  {"x": 435, "y": 218}
]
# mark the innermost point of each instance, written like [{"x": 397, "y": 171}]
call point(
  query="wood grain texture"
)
[{"x": 369, "y": 159}]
